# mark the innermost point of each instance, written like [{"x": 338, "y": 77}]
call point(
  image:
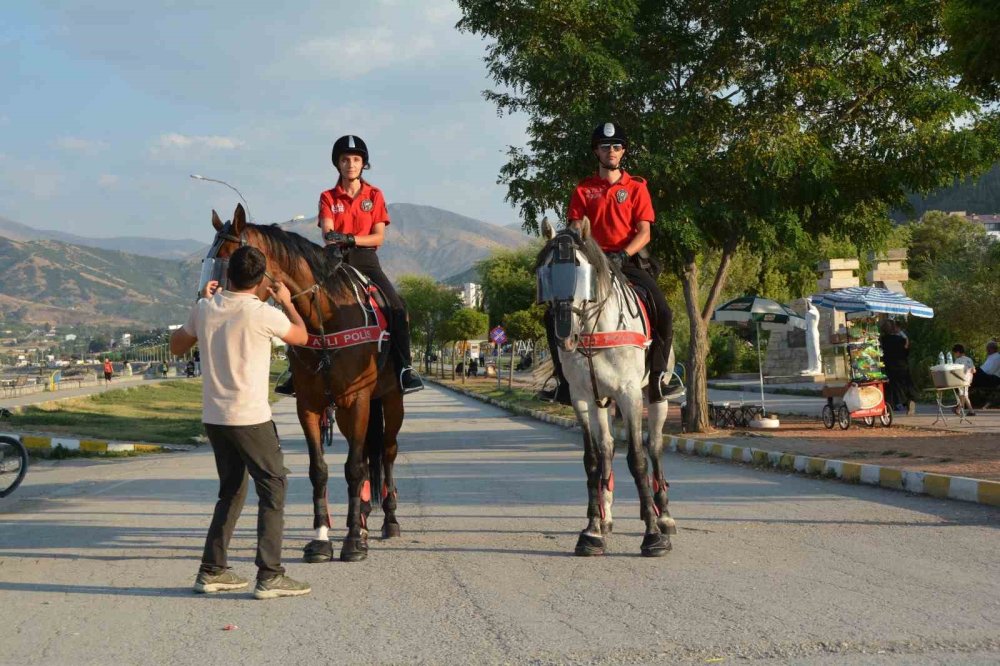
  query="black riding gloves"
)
[
  {"x": 618, "y": 259},
  {"x": 337, "y": 238}
]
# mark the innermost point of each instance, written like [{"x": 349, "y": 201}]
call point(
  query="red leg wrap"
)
[{"x": 366, "y": 491}]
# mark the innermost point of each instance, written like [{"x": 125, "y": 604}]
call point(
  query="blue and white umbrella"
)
[{"x": 870, "y": 301}]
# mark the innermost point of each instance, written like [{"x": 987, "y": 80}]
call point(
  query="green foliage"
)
[
  {"x": 973, "y": 29},
  {"x": 430, "y": 305},
  {"x": 466, "y": 324},
  {"x": 938, "y": 237},
  {"x": 525, "y": 325},
  {"x": 508, "y": 281}
]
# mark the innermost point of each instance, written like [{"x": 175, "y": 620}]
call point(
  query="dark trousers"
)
[
  {"x": 985, "y": 380},
  {"x": 366, "y": 261},
  {"x": 663, "y": 324},
  {"x": 239, "y": 450}
]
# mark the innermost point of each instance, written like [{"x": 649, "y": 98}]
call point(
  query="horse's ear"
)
[
  {"x": 239, "y": 219},
  {"x": 216, "y": 222},
  {"x": 548, "y": 232},
  {"x": 585, "y": 228}
]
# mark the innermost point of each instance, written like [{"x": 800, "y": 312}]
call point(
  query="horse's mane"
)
[
  {"x": 287, "y": 247},
  {"x": 591, "y": 252}
]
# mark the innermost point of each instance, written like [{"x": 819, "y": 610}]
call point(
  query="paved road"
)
[{"x": 96, "y": 560}]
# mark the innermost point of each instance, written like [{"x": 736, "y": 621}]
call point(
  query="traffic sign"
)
[{"x": 498, "y": 335}]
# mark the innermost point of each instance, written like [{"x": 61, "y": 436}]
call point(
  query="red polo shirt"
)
[
  {"x": 614, "y": 210},
  {"x": 353, "y": 215}
]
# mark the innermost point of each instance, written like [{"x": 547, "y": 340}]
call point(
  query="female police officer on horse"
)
[{"x": 353, "y": 217}]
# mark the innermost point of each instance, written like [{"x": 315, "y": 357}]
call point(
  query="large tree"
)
[
  {"x": 430, "y": 304},
  {"x": 508, "y": 281},
  {"x": 758, "y": 123}
]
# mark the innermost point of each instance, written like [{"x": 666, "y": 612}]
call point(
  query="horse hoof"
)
[
  {"x": 390, "y": 530},
  {"x": 607, "y": 528},
  {"x": 589, "y": 546},
  {"x": 355, "y": 549},
  {"x": 655, "y": 545},
  {"x": 317, "y": 551}
]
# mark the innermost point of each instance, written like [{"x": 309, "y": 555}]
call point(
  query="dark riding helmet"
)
[
  {"x": 608, "y": 133},
  {"x": 350, "y": 145}
]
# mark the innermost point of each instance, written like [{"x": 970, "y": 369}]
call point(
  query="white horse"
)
[{"x": 603, "y": 339}]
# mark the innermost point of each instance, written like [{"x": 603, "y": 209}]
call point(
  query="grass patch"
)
[
  {"x": 165, "y": 412},
  {"x": 518, "y": 396}
]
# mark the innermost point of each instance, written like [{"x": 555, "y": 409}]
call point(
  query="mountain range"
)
[{"x": 45, "y": 276}]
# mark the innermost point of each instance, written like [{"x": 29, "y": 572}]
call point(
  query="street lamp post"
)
[{"x": 222, "y": 182}]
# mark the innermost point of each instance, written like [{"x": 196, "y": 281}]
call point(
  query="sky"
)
[{"x": 108, "y": 107}]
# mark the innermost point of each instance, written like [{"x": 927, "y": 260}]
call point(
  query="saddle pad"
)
[
  {"x": 377, "y": 332},
  {"x": 607, "y": 339}
]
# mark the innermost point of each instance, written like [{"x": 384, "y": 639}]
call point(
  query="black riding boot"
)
[
  {"x": 409, "y": 379},
  {"x": 560, "y": 393}
]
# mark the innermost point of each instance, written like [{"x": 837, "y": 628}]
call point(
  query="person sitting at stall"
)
[
  {"x": 958, "y": 351},
  {"x": 987, "y": 377}
]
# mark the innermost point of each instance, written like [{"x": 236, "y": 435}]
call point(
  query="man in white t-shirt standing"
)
[{"x": 233, "y": 328}]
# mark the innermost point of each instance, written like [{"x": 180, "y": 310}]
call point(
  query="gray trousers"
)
[{"x": 240, "y": 450}]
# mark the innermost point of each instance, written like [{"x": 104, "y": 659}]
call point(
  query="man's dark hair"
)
[
  {"x": 246, "y": 267},
  {"x": 958, "y": 349}
]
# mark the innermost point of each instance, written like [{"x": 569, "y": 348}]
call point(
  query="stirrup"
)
[
  {"x": 410, "y": 381},
  {"x": 666, "y": 388}
]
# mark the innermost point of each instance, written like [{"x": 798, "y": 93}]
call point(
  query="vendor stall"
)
[{"x": 863, "y": 395}]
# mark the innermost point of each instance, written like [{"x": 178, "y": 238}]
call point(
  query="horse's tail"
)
[{"x": 375, "y": 447}]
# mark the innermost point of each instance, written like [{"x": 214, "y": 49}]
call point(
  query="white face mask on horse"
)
[
  {"x": 212, "y": 266},
  {"x": 563, "y": 280}
]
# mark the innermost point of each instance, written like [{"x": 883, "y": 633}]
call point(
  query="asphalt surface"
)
[{"x": 97, "y": 558}]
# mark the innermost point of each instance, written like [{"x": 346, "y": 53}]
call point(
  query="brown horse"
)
[{"x": 369, "y": 403}]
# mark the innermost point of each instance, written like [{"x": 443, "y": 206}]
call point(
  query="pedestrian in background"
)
[
  {"x": 109, "y": 370},
  {"x": 235, "y": 326},
  {"x": 896, "y": 358},
  {"x": 958, "y": 352}
]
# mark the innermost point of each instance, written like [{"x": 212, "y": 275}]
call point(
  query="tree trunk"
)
[
  {"x": 510, "y": 377},
  {"x": 697, "y": 388},
  {"x": 697, "y": 380},
  {"x": 453, "y": 346}
]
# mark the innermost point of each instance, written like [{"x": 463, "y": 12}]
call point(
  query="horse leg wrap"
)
[{"x": 321, "y": 513}]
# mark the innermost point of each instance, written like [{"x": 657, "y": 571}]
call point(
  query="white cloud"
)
[
  {"x": 107, "y": 180},
  {"x": 78, "y": 145},
  {"x": 352, "y": 56},
  {"x": 174, "y": 141}
]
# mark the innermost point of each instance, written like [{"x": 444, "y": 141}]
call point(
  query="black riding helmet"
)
[
  {"x": 350, "y": 145},
  {"x": 608, "y": 133}
]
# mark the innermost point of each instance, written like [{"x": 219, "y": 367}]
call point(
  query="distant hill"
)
[
  {"x": 982, "y": 197},
  {"x": 51, "y": 281},
  {"x": 424, "y": 240},
  {"x": 147, "y": 247},
  {"x": 44, "y": 279}
]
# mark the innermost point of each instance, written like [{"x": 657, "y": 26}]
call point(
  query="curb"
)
[
  {"x": 919, "y": 483},
  {"x": 49, "y": 443}
]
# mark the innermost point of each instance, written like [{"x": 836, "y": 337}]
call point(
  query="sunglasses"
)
[{"x": 615, "y": 147}]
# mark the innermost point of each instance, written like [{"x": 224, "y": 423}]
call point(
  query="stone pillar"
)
[
  {"x": 888, "y": 270},
  {"x": 835, "y": 274}
]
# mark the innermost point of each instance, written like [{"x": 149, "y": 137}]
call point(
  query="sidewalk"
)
[{"x": 911, "y": 444}]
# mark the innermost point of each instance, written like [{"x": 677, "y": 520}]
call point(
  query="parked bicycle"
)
[{"x": 13, "y": 464}]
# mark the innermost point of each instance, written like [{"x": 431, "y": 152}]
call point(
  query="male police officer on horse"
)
[{"x": 620, "y": 211}]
